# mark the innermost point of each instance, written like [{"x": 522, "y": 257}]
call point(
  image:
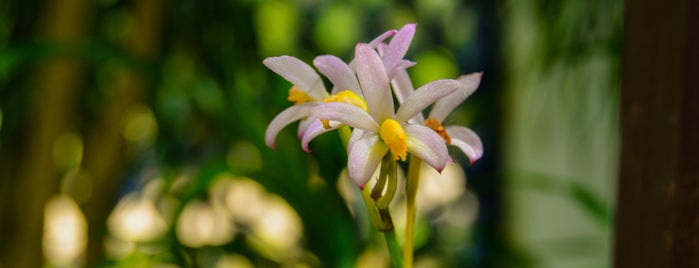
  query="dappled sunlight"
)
[{"x": 65, "y": 232}]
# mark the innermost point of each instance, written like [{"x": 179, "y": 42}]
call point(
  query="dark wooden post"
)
[{"x": 657, "y": 220}]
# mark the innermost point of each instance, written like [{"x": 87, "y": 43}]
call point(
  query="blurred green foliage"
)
[{"x": 174, "y": 92}]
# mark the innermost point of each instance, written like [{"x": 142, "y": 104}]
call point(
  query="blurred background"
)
[{"x": 131, "y": 134}]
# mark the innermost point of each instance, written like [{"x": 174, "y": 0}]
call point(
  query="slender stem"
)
[
  {"x": 391, "y": 240},
  {"x": 374, "y": 216},
  {"x": 411, "y": 193}
]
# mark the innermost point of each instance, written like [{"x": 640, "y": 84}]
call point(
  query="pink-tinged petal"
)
[
  {"x": 402, "y": 86},
  {"x": 338, "y": 72},
  {"x": 356, "y": 135},
  {"x": 467, "y": 140},
  {"x": 425, "y": 96},
  {"x": 379, "y": 39},
  {"x": 285, "y": 118},
  {"x": 315, "y": 130},
  {"x": 444, "y": 107},
  {"x": 346, "y": 113},
  {"x": 427, "y": 145},
  {"x": 397, "y": 48},
  {"x": 374, "y": 82},
  {"x": 364, "y": 157},
  {"x": 304, "y": 124},
  {"x": 299, "y": 74}
]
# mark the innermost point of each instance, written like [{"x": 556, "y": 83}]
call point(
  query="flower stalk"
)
[{"x": 411, "y": 193}]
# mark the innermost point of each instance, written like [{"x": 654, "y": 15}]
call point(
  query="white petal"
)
[
  {"x": 315, "y": 130},
  {"x": 346, "y": 113},
  {"x": 299, "y": 74},
  {"x": 397, "y": 48},
  {"x": 364, "y": 157},
  {"x": 443, "y": 107},
  {"x": 467, "y": 140},
  {"x": 402, "y": 86},
  {"x": 285, "y": 118},
  {"x": 427, "y": 145},
  {"x": 374, "y": 82},
  {"x": 424, "y": 96},
  {"x": 338, "y": 72},
  {"x": 303, "y": 125}
]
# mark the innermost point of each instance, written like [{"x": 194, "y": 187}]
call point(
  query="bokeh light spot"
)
[
  {"x": 244, "y": 157},
  {"x": 65, "y": 232},
  {"x": 139, "y": 125},
  {"x": 200, "y": 225},
  {"x": 136, "y": 219},
  {"x": 433, "y": 65},
  {"x": 77, "y": 184},
  {"x": 67, "y": 150}
]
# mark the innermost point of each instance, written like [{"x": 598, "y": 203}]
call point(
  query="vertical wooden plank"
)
[{"x": 657, "y": 221}]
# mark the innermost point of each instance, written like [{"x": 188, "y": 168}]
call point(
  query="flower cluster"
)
[{"x": 362, "y": 98}]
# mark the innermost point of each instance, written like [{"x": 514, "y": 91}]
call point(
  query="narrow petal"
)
[
  {"x": 372, "y": 78},
  {"x": 379, "y": 39},
  {"x": 338, "y": 72},
  {"x": 315, "y": 130},
  {"x": 467, "y": 140},
  {"x": 304, "y": 124},
  {"x": 425, "y": 96},
  {"x": 402, "y": 86},
  {"x": 346, "y": 113},
  {"x": 364, "y": 157},
  {"x": 443, "y": 107},
  {"x": 299, "y": 74},
  {"x": 356, "y": 135},
  {"x": 427, "y": 145},
  {"x": 397, "y": 48},
  {"x": 285, "y": 118}
]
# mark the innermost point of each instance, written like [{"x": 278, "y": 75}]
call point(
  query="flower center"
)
[
  {"x": 298, "y": 96},
  {"x": 437, "y": 127},
  {"x": 393, "y": 134},
  {"x": 346, "y": 96}
]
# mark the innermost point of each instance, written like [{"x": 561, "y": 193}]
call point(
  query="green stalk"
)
[
  {"x": 411, "y": 193},
  {"x": 391, "y": 240}
]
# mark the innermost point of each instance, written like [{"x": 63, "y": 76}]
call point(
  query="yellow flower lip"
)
[
  {"x": 393, "y": 134},
  {"x": 346, "y": 96},
  {"x": 349, "y": 97},
  {"x": 298, "y": 96}
]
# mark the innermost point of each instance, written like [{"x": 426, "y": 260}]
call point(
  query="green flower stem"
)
[
  {"x": 391, "y": 241},
  {"x": 411, "y": 193}
]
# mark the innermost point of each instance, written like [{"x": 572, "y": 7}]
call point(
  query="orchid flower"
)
[
  {"x": 378, "y": 128},
  {"x": 308, "y": 91}
]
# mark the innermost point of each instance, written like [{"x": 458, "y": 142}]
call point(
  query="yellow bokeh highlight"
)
[
  {"x": 200, "y": 225},
  {"x": 136, "y": 219},
  {"x": 336, "y": 31},
  {"x": 65, "y": 232},
  {"x": 139, "y": 125},
  {"x": 277, "y": 25}
]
